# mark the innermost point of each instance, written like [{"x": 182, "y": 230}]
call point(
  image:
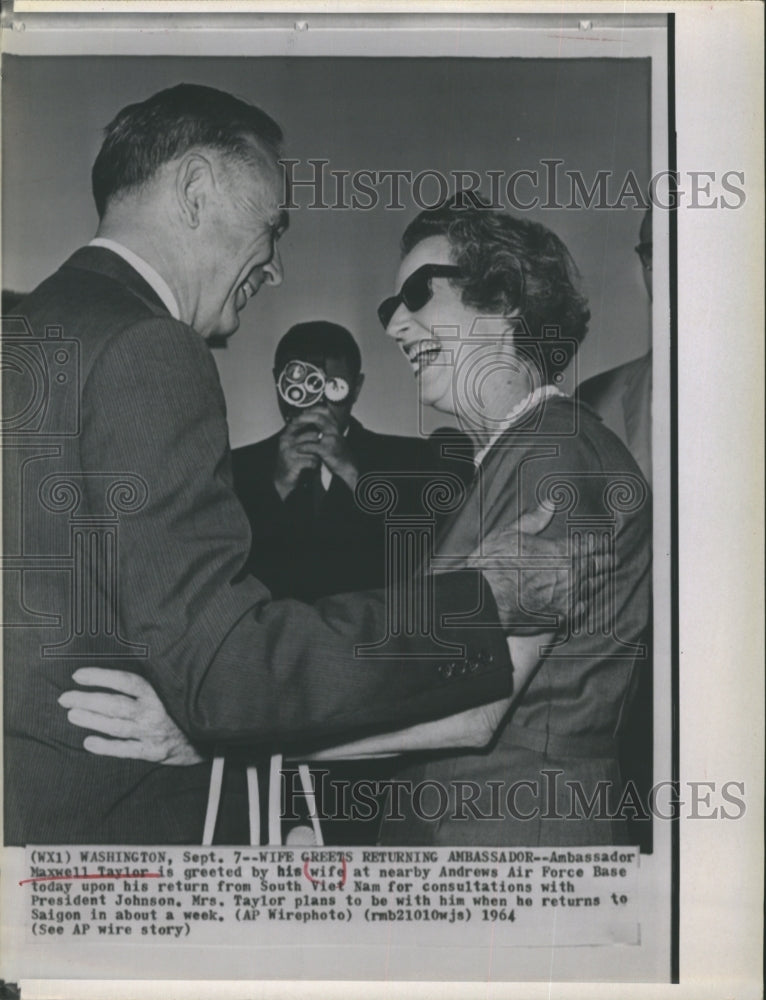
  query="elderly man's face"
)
[{"x": 241, "y": 251}]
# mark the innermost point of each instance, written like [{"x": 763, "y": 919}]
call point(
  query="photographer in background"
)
[{"x": 310, "y": 536}]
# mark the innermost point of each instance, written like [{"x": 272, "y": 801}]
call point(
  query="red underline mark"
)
[
  {"x": 70, "y": 878},
  {"x": 320, "y": 881},
  {"x": 314, "y": 881}
]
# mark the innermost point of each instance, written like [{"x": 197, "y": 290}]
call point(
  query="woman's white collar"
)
[{"x": 520, "y": 410}]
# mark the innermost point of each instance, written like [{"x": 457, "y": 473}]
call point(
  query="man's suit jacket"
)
[
  {"x": 622, "y": 397},
  {"x": 570, "y": 715},
  {"x": 123, "y": 537},
  {"x": 315, "y": 542}
]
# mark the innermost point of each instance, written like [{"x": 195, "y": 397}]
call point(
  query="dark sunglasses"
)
[
  {"x": 415, "y": 291},
  {"x": 644, "y": 251}
]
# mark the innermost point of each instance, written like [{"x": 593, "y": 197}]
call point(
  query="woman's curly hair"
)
[{"x": 509, "y": 263}]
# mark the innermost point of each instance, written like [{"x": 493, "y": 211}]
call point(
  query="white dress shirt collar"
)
[
  {"x": 324, "y": 473},
  {"x": 147, "y": 272},
  {"x": 325, "y": 476}
]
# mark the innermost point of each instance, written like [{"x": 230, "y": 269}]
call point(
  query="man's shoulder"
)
[
  {"x": 95, "y": 298},
  {"x": 595, "y": 385},
  {"x": 595, "y": 391},
  {"x": 94, "y": 288}
]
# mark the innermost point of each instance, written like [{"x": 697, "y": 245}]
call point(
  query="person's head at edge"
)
[
  {"x": 189, "y": 179},
  {"x": 644, "y": 249},
  {"x": 506, "y": 269},
  {"x": 330, "y": 347}
]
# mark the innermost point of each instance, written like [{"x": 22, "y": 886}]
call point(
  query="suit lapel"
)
[{"x": 358, "y": 443}]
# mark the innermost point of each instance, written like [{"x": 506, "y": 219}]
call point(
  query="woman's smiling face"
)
[{"x": 430, "y": 337}]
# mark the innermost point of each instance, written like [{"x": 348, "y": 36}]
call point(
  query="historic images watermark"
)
[
  {"x": 548, "y": 185},
  {"x": 549, "y": 797}
]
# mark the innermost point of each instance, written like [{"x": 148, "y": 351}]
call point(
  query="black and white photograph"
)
[{"x": 342, "y": 636}]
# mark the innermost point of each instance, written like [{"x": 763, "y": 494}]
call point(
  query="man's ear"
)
[
  {"x": 194, "y": 178},
  {"x": 357, "y": 387}
]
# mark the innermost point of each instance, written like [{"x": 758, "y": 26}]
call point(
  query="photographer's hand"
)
[
  {"x": 135, "y": 720},
  {"x": 330, "y": 446},
  {"x": 292, "y": 458}
]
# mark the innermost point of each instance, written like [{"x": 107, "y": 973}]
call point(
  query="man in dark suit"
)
[
  {"x": 622, "y": 397},
  {"x": 124, "y": 543}
]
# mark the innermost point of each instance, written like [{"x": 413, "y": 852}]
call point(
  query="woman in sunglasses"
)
[{"x": 489, "y": 315}]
